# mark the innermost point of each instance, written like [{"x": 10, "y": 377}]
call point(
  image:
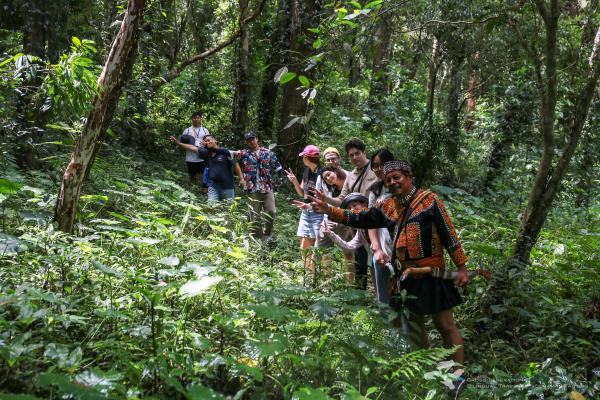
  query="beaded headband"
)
[{"x": 397, "y": 165}]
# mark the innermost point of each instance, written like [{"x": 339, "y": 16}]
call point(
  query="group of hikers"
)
[{"x": 382, "y": 222}]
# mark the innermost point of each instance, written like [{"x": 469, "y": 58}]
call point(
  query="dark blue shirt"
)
[{"x": 220, "y": 166}]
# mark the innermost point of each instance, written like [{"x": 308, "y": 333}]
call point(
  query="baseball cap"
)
[
  {"x": 249, "y": 135},
  {"x": 310, "y": 151},
  {"x": 355, "y": 196}
]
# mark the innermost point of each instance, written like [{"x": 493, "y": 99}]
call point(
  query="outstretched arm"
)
[
  {"x": 370, "y": 218},
  {"x": 183, "y": 146}
]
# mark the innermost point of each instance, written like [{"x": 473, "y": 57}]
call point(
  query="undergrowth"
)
[{"x": 158, "y": 295}]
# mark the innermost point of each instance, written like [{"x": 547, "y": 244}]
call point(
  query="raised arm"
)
[
  {"x": 183, "y": 146},
  {"x": 294, "y": 181}
]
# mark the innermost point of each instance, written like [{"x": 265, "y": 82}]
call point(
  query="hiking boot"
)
[{"x": 460, "y": 384}]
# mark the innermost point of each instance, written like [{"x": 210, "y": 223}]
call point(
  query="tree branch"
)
[{"x": 178, "y": 69}]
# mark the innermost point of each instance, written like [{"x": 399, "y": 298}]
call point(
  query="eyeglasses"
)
[{"x": 376, "y": 167}]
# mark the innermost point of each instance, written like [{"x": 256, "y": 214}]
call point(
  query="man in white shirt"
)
[{"x": 194, "y": 135}]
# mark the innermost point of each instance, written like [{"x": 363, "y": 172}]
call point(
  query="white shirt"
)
[
  {"x": 385, "y": 241},
  {"x": 198, "y": 134}
]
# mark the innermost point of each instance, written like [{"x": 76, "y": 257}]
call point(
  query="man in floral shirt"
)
[{"x": 257, "y": 163}]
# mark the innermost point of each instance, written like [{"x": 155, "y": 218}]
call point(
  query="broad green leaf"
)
[
  {"x": 119, "y": 216},
  {"x": 196, "y": 287},
  {"x": 9, "y": 187},
  {"x": 323, "y": 309},
  {"x": 285, "y": 78},
  {"x": 11, "y": 245},
  {"x": 308, "y": 393},
  {"x": 270, "y": 344},
  {"x": 144, "y": 240},
  {"x": 280, "y": 72},
  {"x": 107, "y": 270},
  {"x": 56, "y": 351},
  {"x": 248, "y": 370},
  {"x": 291, "y": 122},
  {"x": 317, "y": 44},
  {"x": 304, "y": 80},
  {"x": 200, "y": 392},
  {"x": 373, "y": 4},
  {"x": 272, "y": 312},
  {"x": 171, "y": 261},
  {"x": 98, "y": 379}
]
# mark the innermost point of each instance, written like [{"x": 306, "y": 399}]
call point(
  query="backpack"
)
[{"x": 206, "y": 176}]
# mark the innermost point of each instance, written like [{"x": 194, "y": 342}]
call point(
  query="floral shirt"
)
[{"x": 256, "y": 167}]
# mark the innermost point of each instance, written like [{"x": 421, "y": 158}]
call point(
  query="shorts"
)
[
  {"x": 195, "y": 168},
  {"x": 310, "y": 224}
]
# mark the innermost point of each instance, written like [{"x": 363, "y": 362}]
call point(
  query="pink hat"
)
[{"x": 310, "y": 151}]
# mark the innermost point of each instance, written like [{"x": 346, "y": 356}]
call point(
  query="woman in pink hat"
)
[{"x": 310, "y": 222}]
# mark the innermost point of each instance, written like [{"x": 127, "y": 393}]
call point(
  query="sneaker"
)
[{"x": 460, "y": 384}]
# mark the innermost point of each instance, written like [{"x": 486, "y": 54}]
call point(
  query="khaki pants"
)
[{"x": 263, "y": 213}]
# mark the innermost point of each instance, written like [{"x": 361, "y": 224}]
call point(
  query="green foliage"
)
[
  {"x": 70, "y": 84},
  {"x": 161, "y": 295}
]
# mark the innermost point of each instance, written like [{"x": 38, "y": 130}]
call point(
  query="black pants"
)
[{"x": 361, "y": 266}]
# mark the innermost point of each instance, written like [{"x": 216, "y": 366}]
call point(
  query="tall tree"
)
[
  {"x": 428, "y": 136},
  {"x": 453, "y": 106},
  {"x": 292, "y": 138},
  {"x": 239, "y": 117},
  {"x": 552, "y": 168},
  {"x": 114, "y": 75},
  {"x": 279, "y": 43},
  {"x": 380, "y": 86}
]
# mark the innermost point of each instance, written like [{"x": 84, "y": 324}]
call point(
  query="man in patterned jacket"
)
[
  {"x": 421, "y": 228},
  {"x": 257, "y": 163}
]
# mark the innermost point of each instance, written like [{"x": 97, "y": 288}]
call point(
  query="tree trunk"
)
[
  {"x": 428, "y": 136},
  {"x": 110, "y": 84},
  {"x": 293, "y": 138},
  {"x": 379, "y": 73},
  {"x": 514, "y": 124},
  {"x": 453, "y": 110},
  {"x": 239, "y": 117},
  {"x": 34, "y": 29},
  {"x": 431, "y": 80},
  {"x": 353, "y": 63},
  {"x": 471, "y": 99},
  {"x": 268, "y": 94},
  {"x": 589, "y": 160},
  {"x": 549, "y": 177}
]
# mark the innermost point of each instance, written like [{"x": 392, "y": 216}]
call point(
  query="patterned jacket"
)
[
  {"x": 256, "y": 168},
  {"x": 427, "y": 232}
]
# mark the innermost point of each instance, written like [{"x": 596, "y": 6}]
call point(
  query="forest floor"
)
[{"x": 158, "y": 295}]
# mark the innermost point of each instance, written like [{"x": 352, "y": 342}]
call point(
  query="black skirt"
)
[{"x": 428, "y": 295}]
